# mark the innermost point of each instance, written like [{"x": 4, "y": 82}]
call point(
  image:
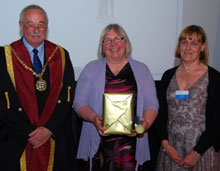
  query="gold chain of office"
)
[{"x": 41, "y": 84}]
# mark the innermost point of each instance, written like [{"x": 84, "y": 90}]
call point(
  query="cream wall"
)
[
  {"x": 216, "y": 56},
  {"x": 77, "y": 24},
  {"x": 206, "y": 14},
  {"x": 152, "y": 25}
]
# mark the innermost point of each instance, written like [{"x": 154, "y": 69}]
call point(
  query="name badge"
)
[{"x": 182, "y": 94}]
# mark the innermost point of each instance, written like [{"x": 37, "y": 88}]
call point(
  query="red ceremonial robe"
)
[{"x": 41, "y": 158}]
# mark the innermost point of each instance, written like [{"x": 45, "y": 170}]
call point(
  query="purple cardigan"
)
[{"x": 89, "y": 91}]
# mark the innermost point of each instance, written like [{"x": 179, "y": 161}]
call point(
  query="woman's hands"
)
[
  {"x": 87, "y": 113},
  {"x": 147, "y": 120},
  {"x": 172, "y": 154},
  {"x": 145, "y": 123},
  {"x": 98, "y": 124},
  {"x": 189, "y": 161}
]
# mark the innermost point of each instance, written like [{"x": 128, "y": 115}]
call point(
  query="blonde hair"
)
[
  {"x": 194, "y": 31},
  {"x": 118, "y": 30}
]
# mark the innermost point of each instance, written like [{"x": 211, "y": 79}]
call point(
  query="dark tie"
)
[{"x": 37, "y": 63}]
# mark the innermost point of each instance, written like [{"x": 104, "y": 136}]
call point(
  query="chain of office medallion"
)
[{"x": 29, "y": 68}]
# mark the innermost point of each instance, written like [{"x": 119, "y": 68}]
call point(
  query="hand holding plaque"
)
[{"x": 139, "y": 128}]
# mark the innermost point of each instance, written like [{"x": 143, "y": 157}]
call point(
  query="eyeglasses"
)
[
  {"x": 116, "y": 40},
  {"x": 32, "y": 26}
]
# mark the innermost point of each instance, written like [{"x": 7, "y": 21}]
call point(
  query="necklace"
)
[
  {"x": 41, "y": 85},
  {"x": 192, "y": 69},
  {"x": 186, "y": 70}
]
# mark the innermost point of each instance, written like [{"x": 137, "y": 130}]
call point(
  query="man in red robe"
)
[{"x": 36, "y": 94}]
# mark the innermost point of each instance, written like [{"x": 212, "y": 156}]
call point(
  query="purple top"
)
[{"x": 89, "y": 91}]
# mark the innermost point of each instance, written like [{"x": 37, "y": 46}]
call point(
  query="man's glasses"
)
[{"x": 32, "y": 26}]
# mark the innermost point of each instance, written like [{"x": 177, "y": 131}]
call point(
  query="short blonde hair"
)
[
  {"x": 118, "y": 30},
  {"x": 194, "y": 31}
]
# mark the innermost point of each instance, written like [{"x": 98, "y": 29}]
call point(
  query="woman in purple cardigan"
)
[{"x": 118, "y": 73}]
